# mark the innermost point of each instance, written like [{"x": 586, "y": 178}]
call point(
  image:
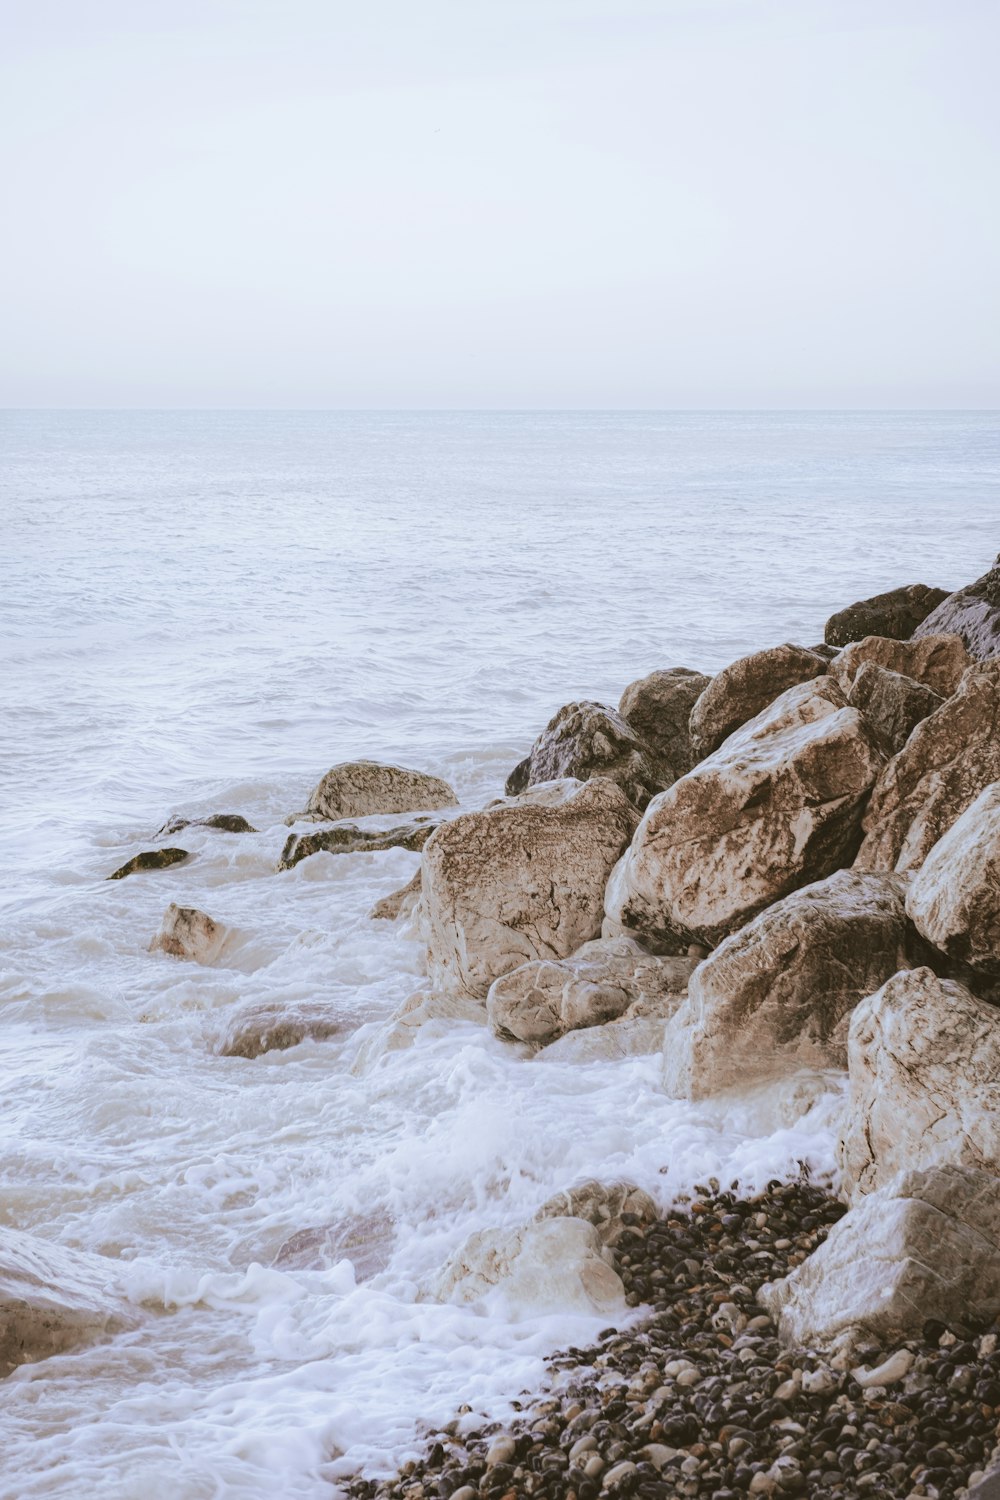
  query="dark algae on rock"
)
[{"x": 151, "y": 859}]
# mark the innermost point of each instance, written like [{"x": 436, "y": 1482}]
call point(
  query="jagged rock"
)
[
  {"x": 602, "y": 1204},
  {"x": 924, "y": 1064},
  {"x": 547, "y": 1266},
  {"x": 349, "y": 839},
  {"x": 151, "y": 859},
  {"x": 364, "y": 1239},
  {"x": 186, "y": 932},
  {"x": 895, "y": 614},
  {"x": 658, "y": 708},
  {"x": 398, "y": 903},
  {"x": 743, "y": 690},
  {"x": 927, "y": 1246},
  {"x": 947, "y": 761},
  {"x": 973, "y": 613},
  {"x": 53, "y": 1299},
  {"x": 438, "y": 1013},
  {"x": 777, "y": 806},
  {"x": 938, "y": 661},
  {"x": 224, "y": 822},
  {"x": 360, "y": 788},
  {"x": 584, "y": 740},
  {"x": 542, "y": 1000},
  {"x": 510, "y": 884},
  {"x": 954, "y": 898},
  {"x": 271, "y": 1026},
  {"x": 892, "y": 704},
  {"x": 777, "y": 996}
]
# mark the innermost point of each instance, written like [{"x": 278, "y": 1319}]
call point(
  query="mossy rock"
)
[
  {"x": 224, "y": 822},
  {"x": 349, "y": 839},
  {"x": 151, "y": 859}
]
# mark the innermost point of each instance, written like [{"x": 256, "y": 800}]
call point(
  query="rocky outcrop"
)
[
  {"x": 924, "y": 1064},
  {"x": 272, "y": 1026},
  {"x": 398, "y": 903},
  {"x": 938, "y": 661},
  {"x": 366, "y": 1240},
  {"x": 151, "y": 859},
  {"x": 584, "y": 740},
  {"x": 540, "y": 1001},
  {"x": 186, "y": 932},
  {"x": 349, "y": 839},
  {"x": 973, "y": 613},
  {"x": 940, "y": 771},
  {"x": 658, "y": 708},
  {"x": 927, "y": 1246},
  {"x": 954, "y": 898},
  {"x": 511, "y": 884},
  {"x": 361, "y": 788},
  {"x": 895, "y": 614},
  {"x": 53, "y": 1299},
  {"x": 550, "y": 1265},
  {"x": 743, "y": 690},
  {"x": 893, "y": 705},
  {"x": 777, "y": 996},
  {"x": 777, "y": 806},
  {"x": 222, "y": 822},
  {"x": 611, "y": 1207}
]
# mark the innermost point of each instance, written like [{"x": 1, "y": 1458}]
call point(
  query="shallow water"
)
[{"x": 203, "y": 612}]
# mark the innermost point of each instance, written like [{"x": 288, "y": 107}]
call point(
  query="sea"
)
[{"x": 202, "y": 612}]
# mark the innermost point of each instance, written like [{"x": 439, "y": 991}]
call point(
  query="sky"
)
[{"x": 500, "y": 203}]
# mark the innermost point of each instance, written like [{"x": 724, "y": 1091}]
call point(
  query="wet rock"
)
[
  {"x": 658, "y": 709},
  {"x": 777, "y": 806},
  {"x": 745, "y": 688},
  {"x": 438, "y": 1013},
  {"x": 550, "y": 1264},
  {"x": 937, "y": 661},
  {"x": 349, "y": 839},
  {"x": 399, "y": 903},
  {"x": 584, "y": 740},
  {"x": 630, "y": 1036},
  {"x": 151, "y": 859},
  {"x": 541, "y": 1001},
  {"x": 53, "y": 1299},
  {"x": 360, "y": 788},
  {"x": 948, "y": 760},
  {"x": 611, "y": 1207},
  {"x": 186, "y": 932},
  {"x": 972, "y": 613},
  {"x": 896, "y": 614},
  {"x": 271, "y": 1026},
  {"x": 778, "y": 994},
  {"x": 511, "y": 884},
  {"x": 364, "y": 1239},
  {"x": 893, "y": 705},
  {"x": 924, "y": 1064},
  {"x": 223, "y": 822},
  {"x": 954, "y": 898}
]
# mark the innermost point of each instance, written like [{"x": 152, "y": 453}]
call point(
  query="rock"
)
[
  {"x": 53, "y": 1299},
  {"x": 510, "y": 884},
  {"x": 973, "y": 613},
  {"x": 924, "y": 1064},
  {"x": 360, "y": 788},
  {"x": 224, "y": 822},
  {"x": 541, "y": 1001},
  {"x": 349, "y": 839},
  {"x": 741, "y": 691},
  {"x": 543, "y": 794},
  {"x": 926, "y": 1246},
  {"x": 658, "y": 709},
  {"x": 186, "y": 932},
  {"x": 364, "y": 1239},
  {"x": 151, "y": 859},
  {"x": 777, "y": 996},
  {"x": 940, "y": 771},
  {"x": 774, "y": 808},
  {"x": 399, "y": 903},
  {"x": 603, "y": 1205},
  {"x": 893, "y": 705},
  {"x": 438, "y": 1013},
  {"x": 954, "y": 898},
  {"x": 895, "y": 614},
  {"x": 584, "y": 740},
  {"x": 631, "y": 1036},
  {"x": 890, "y": 1372},
  {"x": 988, "y": 1488},
  {"x": 547, "y": 1266},
  {"x": 273, "y": 1026},
  {"x": 938, "y": 661}
]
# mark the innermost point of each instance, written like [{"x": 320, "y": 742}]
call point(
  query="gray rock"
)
[
  {"x": 360, "y": 788},
  {"x": 896, "y": 613},
  {"x": 349, "y": 839},
  {"x": 973, "y": 613},
  {"x": 584, "y": 740},
  {"x": 743, "y": 690},
  {"x": 223, "y": 822},
  {"x": 954, "y": 898},
  {"x": 658, "y": 708},
  {"x": 53, "y": 1299},
  {"x": 938, "y": 661},
  {"x": 892, "y": 704},
  {"x": 364, "y": 1239}
]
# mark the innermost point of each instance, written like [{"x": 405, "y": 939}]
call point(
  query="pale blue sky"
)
[{"x": 515, "y": 203}]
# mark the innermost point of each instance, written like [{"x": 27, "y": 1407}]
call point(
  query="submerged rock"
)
[
  {"x": 550, "y": 1265},
  {"x": 896, "y": 614},
  {"x": 612, "y": 1207},
  {"x": 584, "y": 740},
  {"x": 398, "y": 903},
  {"x": 151, "y": 859},
  {"x": 53, "y": 1299},
  {"x": 893, "y": 705},
  {"x": 973, "y": 613},
  {"x": 437, "y": 1013},
  {"x": 224, "y": 822},
  {"x": 349, "y": 839},
  {"x": 954, "y": 898},
  {"x": 186, "y": 932},
  {"x": 273, "y": 1026},
  {"x": 366, "y": 1240},
  {"x": 938, "y": 661},
  {"x": 745, "y": 688},
  {"x": 360, "y": 788},
  {"x": 658, "y": 708}
]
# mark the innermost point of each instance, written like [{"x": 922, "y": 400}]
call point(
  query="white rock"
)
[
  {"x": 954, "y": 898},
  {"x": 547, "y": 1266},
  {"x": 890, "y": 1372},
  {"x": 186, "y": 932}
]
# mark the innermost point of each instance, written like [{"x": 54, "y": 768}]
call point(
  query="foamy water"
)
[{"x": 203, "y": 612}]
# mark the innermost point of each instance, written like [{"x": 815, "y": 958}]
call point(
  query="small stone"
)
[{"x": 501, "y": 1451}]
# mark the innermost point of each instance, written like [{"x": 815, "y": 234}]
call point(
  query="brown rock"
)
[
  {"x": 744, "y": 689},
  {"x": 895, "y": 614},
  {"x": 53, "y": 1299},
  {"x": 954, "y": 898},
  {"x": 398, "y": 903},
  {"x": 658, "y": 708},
  {"x": 186, "y": 932},
  {"x": 361, "y": 788},
  {"x": 973, "y": 613},
  {"x": 270, "y": 1026},
  {"x": 938, "y": 661},
  {"x": 349, "y": 839},
  {"x": 584, "y": 740},
  {"x": 151, "y": 859},
  {"x": 892, "y": 704}
]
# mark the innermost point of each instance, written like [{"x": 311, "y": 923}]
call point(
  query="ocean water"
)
[{"x": 203, "y": 612}]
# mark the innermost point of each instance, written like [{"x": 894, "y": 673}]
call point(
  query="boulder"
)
[
  {"x": 631, "y": 1036},
  {"x": 973, "y": 613},
  {"x": 658, "y": 708},
  {"x": 542, "y": 1000},
  {"x": 777, "y": 806},
  {"x": 360, "y": 788},
  {"x": 349, "y": 839},
  {"x": 53, "y": 1299},
  {"x": 954, "y": 898},
  {"x": 584, "y": 740},
  {"x": 926, "y": 1246},
  {"x": 611, "y": 1207},
  {"x": 948, "y": 760},
  {"x": 938, "y": 661},
  {"x": 366, "y": 1240},
  {"x": 777, "y": 996},
  {"x": 893, "y": 705},
  {"x": 514, "y": 883},
  {"x": 398, "y": 903},
  {"x": 186, "y": 932},
  {"x": 274, "y": 1026},
  {"x": 223, "y": 822},
  {"x": 542, "y": 794},
  {"x": 924, "y": 1062},
  {"x": 895, "y": 614},
  {"x": 550, "y": 1265},
  {"x": 439, "y": 1014},
  {"x": 151, "y": 859},
  {"x": 741, "y": 691}
]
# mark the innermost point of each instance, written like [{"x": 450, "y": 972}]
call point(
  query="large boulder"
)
[
  {"x": 584, "y": 740},
  {"x": 543, "y": 1000},
  {"x": 892, "y": 704},
  {"x": 954, "y": 898},
  {"x": 973, "y": 613},
  {"x": 938, "y": 661},
  {"x": 777, "y": 806},
  {"x": 658, "y": 708},
  {"x": 777, "y": 996},
  {"x": 360, "y": 788},
  {"x": 924, "y": 1062},
  {"x": 550, "y": 1265},
  {"x": 896, "y": 614},
  {"x": 746, "y": 687},
  {"x": 186, "y": 932},
  {"x": 53, "y": 1299},
  {"x": 514, "y": 883},
  {"x": 947, "y": 761},
  {"x": 927, "y": 1246}
]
